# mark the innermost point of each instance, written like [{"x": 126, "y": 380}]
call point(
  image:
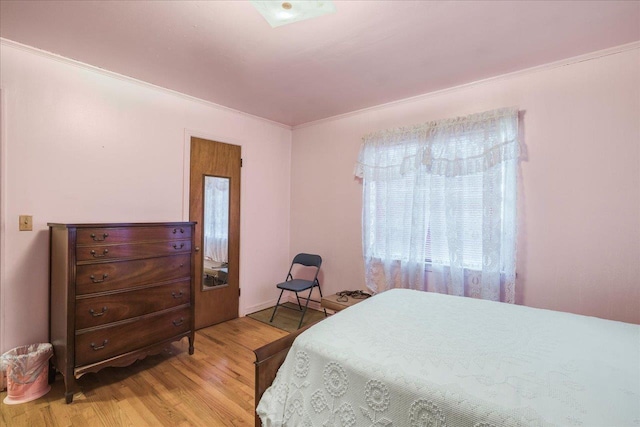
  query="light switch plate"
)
[{"x": 26, "y": 223}]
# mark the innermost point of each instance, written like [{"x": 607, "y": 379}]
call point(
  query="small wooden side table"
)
[{"x": 331, "y": 302}]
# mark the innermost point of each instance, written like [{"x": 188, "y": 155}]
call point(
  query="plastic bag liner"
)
[{"x": 27, "y": 372}]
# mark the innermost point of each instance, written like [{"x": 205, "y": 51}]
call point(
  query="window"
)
[{"x": 442, "y": 194}]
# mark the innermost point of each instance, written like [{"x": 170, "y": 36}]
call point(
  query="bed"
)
[
  {"x": 214, "y": 272},
  {"x": 409, "y": 358}
]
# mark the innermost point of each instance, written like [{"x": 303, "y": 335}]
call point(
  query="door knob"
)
[{"x": 197, "y": 248}]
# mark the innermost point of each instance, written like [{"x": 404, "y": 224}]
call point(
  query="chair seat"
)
[{"x": 296, "y": 285}]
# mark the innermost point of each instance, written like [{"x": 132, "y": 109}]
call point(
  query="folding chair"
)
[{"x": 300, "y": 285}]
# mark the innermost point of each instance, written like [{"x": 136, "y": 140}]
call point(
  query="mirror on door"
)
[{"x": 215, "y": 254}]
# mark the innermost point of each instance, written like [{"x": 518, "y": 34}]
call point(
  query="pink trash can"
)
[{"x": 27, "y": 372}]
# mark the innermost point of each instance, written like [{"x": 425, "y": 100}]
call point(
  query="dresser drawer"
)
[
  {"x": 136, "y": 250},
  {"x": 90, "y": 236},
  {"x": 95, "y": 311},
  {"x": 91, "y": 278},
  {"x": 103, "y": 343}
]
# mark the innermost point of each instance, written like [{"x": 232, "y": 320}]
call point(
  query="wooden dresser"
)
[{"x": 119, "y": 292}]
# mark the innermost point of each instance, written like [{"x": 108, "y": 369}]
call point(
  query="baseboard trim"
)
[
  {"x": 261, "y": 306},
  {"x": 291, "y": 298},
  {"x": 312, "y": 304}
]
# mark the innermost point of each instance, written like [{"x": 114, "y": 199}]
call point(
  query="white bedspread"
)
[{"x": 409, "y": 358}]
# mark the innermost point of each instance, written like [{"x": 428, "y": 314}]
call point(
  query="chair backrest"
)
[{"x": 308, "y": 260}]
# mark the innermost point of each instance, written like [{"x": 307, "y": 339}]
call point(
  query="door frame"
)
[
  {"x": 3, "y": 215},
  {"x": 186, "y": 177}
]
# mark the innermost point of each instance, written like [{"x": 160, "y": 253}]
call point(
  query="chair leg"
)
[
  {"x": 305, "y": 307},
  {"x": 320, "y": 290},
  {"x": 299, "y": 305},
  {"x": 276, "y": 307}
]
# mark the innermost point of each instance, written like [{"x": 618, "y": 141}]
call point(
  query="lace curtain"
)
[
  {"x": 439, "y": 206},
  {"x": 216, "y": 219}
]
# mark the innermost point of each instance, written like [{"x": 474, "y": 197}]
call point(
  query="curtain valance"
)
[{"x": 450, "y": 147}]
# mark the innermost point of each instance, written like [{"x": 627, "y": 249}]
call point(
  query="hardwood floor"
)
[{"x": 213, "y": 387}]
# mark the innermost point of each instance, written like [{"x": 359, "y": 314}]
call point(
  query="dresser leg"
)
[
  {"x": 191, "y": 349},
  {"x": 69, "y": 387}
]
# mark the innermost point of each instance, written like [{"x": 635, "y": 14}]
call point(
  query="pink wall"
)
[
  {"x": 79, "y": 144},
  {"x": 82, "y": 145},
  {"x": 579, "y": 192}
]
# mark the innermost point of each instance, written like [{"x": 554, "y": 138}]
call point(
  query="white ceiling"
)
[{"x": 367, "y": 53}]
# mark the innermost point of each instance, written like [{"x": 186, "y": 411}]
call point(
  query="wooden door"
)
[{"x": 215, "y": 302}]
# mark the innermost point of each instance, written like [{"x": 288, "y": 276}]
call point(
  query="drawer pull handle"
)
[
  {"x": 94, "y": 280},
  {"x": 178, "y": 295},
  {"x": 175, "y": 230},
  {"x": 175, "y": 246},
  {"x": 178, "y": 322},
  {"x": 104, "y": 253},
  {"x": 95, "y": 314},
  {"x": 104, "y": 237},
  {"x": 99, "y": 347}
]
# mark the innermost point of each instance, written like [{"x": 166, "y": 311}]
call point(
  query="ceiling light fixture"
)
[{"x": 278, "y": 13}]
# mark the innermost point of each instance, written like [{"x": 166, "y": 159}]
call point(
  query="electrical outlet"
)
[{"x": 26, "y": 223}]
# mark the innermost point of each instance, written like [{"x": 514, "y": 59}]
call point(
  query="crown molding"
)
[
  {"x": 538, "y": 68},
  {"x": 73, "y": 62}
]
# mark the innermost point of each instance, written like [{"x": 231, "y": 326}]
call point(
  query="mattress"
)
[
  {"x": 215, "y": 273},
  {"x": 211, "y": 266},
  {"x": 410, "y": 358}
]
